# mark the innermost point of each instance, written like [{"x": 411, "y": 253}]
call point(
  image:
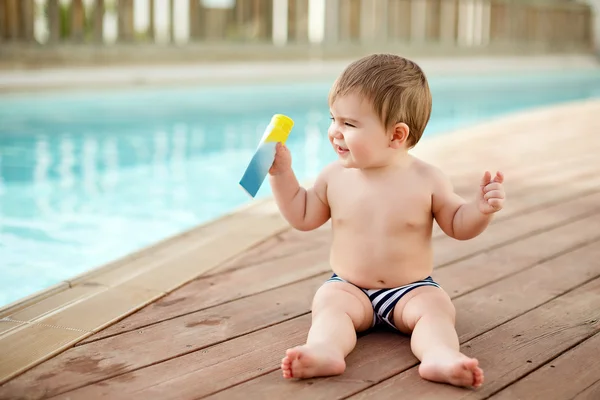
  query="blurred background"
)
[
  {"x": 44, "y": 32},
  {"x": 124, "y": 122}
]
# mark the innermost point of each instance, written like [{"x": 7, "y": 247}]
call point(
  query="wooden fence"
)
[{"x": 551, "y": 24}]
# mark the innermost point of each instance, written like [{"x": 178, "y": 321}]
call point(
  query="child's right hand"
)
[{"x": 283, "y": 160}]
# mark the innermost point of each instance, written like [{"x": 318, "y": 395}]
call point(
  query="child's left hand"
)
[{"x": 491, "y": 195}]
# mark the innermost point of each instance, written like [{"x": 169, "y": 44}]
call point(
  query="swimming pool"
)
[{"x": 89, "y": 177}]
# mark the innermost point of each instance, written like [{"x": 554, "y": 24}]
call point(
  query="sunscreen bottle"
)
[{"x": 258, "y": 168}]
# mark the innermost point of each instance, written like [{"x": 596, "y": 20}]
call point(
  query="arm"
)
[
  {"x": 304, "y": 209},
  {"x": 464, "y": 220}
]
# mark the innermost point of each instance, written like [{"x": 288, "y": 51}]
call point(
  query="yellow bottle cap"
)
[
  {"x": 282, "y": 126},
  {"x": 283, "y": 121}
]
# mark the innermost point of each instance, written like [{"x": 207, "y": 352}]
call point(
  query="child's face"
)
[{"x": 357, "y": 134}]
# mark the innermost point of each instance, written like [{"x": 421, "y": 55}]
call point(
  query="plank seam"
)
[
  {"x": 549, "y": 361},
  {"x": 515, "y": 239},
  {"x": 540, "y": 261},
  {"x": 269, "y": 370},
  {"x": 181, "y": 354},
  {"x": 586, "y": 388},
  {"x": 8, "y": 319},
  {"x": 201, "y": 309}
]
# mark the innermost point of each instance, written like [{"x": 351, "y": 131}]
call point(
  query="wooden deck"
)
[{"x": 527, "y": 294}]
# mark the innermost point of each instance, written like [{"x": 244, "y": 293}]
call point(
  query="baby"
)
[{"x": 382, "y": 202}]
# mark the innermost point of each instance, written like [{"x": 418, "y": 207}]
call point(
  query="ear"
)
[{"x": 399, "y": 135}]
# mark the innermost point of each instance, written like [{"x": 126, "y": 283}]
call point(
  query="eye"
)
[{"x": 350, "y": 125}]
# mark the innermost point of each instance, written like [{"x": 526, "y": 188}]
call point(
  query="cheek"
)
[{"x": 358, "y": 145}]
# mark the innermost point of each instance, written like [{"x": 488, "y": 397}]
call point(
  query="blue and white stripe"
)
[{"x": 384, "y": 300}]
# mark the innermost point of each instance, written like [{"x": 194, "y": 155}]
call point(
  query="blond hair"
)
[{"x": 396, "y": 87}]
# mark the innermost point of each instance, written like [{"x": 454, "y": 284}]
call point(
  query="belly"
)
[{"x": 376, "y": 260}]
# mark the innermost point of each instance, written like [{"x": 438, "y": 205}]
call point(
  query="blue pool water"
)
[{"x": 89, "y": 177}]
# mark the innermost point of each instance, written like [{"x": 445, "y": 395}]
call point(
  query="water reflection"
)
[{"x": 89, "y": 165}]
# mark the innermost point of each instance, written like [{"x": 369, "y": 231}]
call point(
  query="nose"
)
[{"x": 335, "y": 133}]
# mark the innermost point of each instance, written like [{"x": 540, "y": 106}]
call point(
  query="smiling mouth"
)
[{"x": 340, "y": 150}]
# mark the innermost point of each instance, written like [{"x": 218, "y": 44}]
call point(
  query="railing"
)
[{"x": 548, "y": 24}]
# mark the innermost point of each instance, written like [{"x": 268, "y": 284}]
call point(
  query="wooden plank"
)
[
  {"x": 214, "y": 290},
  {"x": 536, "y": 338},
  {"x": 182, "y": 268},
  {"x": 590, "y": 393},
  {"x": 285, "y": 244},
  {"x": 52, "y": 303},
  {"x": 186, "y": 334},
  {"x": 32, "y": 299},
  {"x": 101, "y": 309},
  {"x": 446, "y": 250},
  {"x": 484, "y": 268},
  {"x": 168, "y": 266},
  {"x": 499, "y": 263},
  {"x": 475, "y": 314},
  {"x": 32, "y": 344},
  {"x": 576, "y": 369},
  {"x": 78, "y": 320},
  {"x": 202, "y": 372},
  {"x": 7, "y": 326}
]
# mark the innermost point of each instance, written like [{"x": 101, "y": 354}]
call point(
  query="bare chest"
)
[{"x": 388, "y": 206}]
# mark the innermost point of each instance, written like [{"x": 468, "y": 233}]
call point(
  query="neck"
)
[{"x": 400, "y": 159}]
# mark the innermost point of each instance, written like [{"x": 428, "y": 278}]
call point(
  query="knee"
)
[
  {"x": 433, "y": 306},
  {"x": 329, "y": 300},
  {"x": 441, "y": 310}
]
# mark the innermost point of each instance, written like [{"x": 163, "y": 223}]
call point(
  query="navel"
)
[{"x": 381, "y": 282}]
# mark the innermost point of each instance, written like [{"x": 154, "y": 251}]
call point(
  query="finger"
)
[
  {"x": 499, "y": 177},
  {"x": 487, "y": 178},
  {"x": 492, "y": 186},
  {"x": 494, "y": 194},
  {"x": 496, "y": 204}
]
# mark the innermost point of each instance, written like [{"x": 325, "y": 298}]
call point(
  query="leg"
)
[
  {"x": 339, "y": 310},
  {"x": 429, "y": 314}
]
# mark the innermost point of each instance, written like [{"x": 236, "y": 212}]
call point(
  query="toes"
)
[
  {"x": 286, "y": 367},
  {"x": 293, "y": 354},
  {"x": 477, "y": 377},
  {"x": 471, "y": 363}
]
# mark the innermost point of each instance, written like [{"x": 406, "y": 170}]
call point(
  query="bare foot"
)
[
  {"x": 310, "y": 361},
  {"x": 453, "y": 368}
]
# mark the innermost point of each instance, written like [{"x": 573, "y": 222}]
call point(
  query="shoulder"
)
[
  {"x": 329, "y": 171},
  {"x": 321, "y": 183},
  {"x": 431, "y": 174}
]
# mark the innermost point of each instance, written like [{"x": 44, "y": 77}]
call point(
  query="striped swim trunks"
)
[{"x": 384, "y": 300}]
